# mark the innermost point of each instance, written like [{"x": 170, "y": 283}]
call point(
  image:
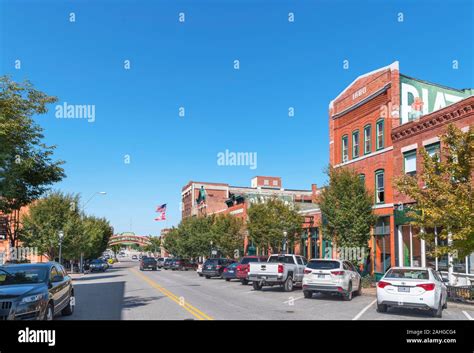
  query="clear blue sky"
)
[{"x": 174, "y": 64}]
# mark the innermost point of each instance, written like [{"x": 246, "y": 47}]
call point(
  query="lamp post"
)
[
  {"x": 284, "y": 241},
  {"x": 61, "y": 236},
  {"x": 210, "y": 255}
]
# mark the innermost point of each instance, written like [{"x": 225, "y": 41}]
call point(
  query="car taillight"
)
[
  {"x": 337, "y": 273},
  {"x": 383, "y": 284},
  {"x": 427, "y": 286},
  {"x": 280, "y": 268},
  {"x": 307, "y": 272},
  {"x": 218, "y": 267},
  {"x": 239, "y": 268},
  {"x": 225, "y": 270}
]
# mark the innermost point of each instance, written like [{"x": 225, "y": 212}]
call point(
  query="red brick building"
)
[
  {"x": 204, "y": 198},
  {"x": 361, "y": 120},
  {"x": 408, "y": 139}
]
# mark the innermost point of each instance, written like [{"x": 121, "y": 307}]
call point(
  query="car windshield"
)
[
  {"x": 22, "y": 275},
  {"x": 403, "y": 273},
  {"x": 284, "y": 259},
  {"x": 323, "y": 265}
]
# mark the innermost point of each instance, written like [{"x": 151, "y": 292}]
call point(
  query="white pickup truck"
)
[{"x": 283, "y": 270}]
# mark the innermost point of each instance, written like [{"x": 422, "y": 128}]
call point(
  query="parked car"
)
[
  {"x": 148, "y": 263},
  {"x": 98, "y": 265},
  {"x": 283, "y": 270},
  {"x": 183, "y": 265},
  {"x": 412, "y": 287},
  {"x": 167, "y": 263},
  {"x": 35, "y": 291},
  {"x": 215, "y": 267},
  {"x": 333, "y": 277},
  {"x": 230, "y": 272},
  {"x": 161, "y": 261},
  {"x": 243, "y": 267},
  {"x": 199, "y": 269}
]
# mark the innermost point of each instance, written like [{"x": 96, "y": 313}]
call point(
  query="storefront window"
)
[{"x": 411, "y": 245}]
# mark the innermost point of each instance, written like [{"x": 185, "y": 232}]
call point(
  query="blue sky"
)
[{"x": 190, "y": 64}]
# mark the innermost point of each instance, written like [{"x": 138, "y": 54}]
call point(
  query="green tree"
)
[
  {"x": 46, "y": 217},
  {"x": 170, "y": 242},
  {"x": 97, "y": 233},
  {"x": 346, "y": 208},
  {"x": 443, "y": 194},
  {"x": 154, "y": 246},
  {"x": 26, "y": 166},
  {"x": 268, "y": 222},
  {"x": 227, "y": 235}
]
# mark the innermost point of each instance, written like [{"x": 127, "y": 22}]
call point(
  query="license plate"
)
[
  {"x": 404, "y": 289},
  {"x": 231, "y": 271},
  {"x": 321, "y": 276},
  {"x": 209, "y": 267}
]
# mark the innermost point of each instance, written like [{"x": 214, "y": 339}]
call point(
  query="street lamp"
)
[
  {"x": 210, "y": 256},
  {"x": 82, "y": 213},
  {"x": 284, "y": 241},
  {"x": 61, "y": 236}
]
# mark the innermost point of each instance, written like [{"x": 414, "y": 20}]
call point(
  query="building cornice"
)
[{"x": 453, "y": 112}]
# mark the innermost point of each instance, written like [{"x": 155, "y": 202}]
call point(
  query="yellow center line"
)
[{"x": 179, "y": 300}]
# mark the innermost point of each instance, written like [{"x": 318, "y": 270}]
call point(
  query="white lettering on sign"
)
[{"x": 359, "y": 93}]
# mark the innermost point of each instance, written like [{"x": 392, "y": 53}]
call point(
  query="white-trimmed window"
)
[
  {"x": 409, "y": 162},
  {"x": 345, "y": 149}
]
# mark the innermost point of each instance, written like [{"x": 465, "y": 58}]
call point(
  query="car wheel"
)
[
  {"x": 288, "y": 285},
  {"x": 154, "y": 268},
  {"x": 244, "y": 282},
  {"x": 200, "y": 274},
  {"x": 227, "y": 279},
  {"x": 359, "y": 290},
  {"x": 308, "y": 294},
  {"x": 438, "y": 312},
  {"x": 49, "y": 313},
  {"x": 257, "y": 285},
  {"x": 348, "y": 295},
  {"x": 207, "y": 277},
  {"x": 69, "y": 309},
  {"x": 382, "y": 308},
  {"x": 445, "y": 306}
]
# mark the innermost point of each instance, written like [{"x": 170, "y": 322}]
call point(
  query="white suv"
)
[
  {"x": 331, "y": 276},
  {"x": 412, "y": 287}
]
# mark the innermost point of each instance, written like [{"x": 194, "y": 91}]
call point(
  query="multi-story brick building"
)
[
  {"x": 361, "y": 120},
  {"x": 203, "y": 198},
  {"x": 408, "y": 139}
]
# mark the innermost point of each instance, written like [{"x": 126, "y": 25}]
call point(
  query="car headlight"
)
[{"x": 31, "y": 298}]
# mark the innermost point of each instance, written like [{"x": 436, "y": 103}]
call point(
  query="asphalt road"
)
[{"x": 124, "y": 292}]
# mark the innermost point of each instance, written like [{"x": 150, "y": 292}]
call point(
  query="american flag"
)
[{"x": 161, "y": 209}]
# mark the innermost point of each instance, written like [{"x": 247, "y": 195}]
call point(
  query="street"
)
[{"x": 125, "y": 293}]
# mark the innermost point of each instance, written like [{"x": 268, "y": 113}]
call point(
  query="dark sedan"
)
[
  {"x": 35, "y": 292},
  {"x": 230, "y": 272},
  {"x": 215, "y": 267},
  {"x": 168, "y": 263},
  {"x": 98, "y": 265}
]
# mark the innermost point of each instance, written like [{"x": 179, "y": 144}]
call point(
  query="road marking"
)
[
  {"x": 364, "y": 310},
  {"x": 294, "y": 299},
  {"x": 188, "y": 307},
  {"x": 466, "y": 314}
]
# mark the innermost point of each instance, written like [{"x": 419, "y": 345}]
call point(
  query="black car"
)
[
  {"x": 215, "y": 267},
  {"x": 98, "y": 265},
  {"x": 35, "y": 291},
  {"x": 183, "y": 265},
  {"x": 148, "y": 263}
]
